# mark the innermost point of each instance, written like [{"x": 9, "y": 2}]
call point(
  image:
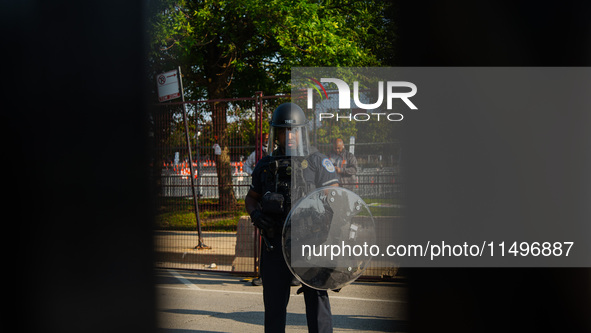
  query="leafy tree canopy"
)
[{"x": 233, "y": 48}]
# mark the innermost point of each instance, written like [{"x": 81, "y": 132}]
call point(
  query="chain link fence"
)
[{"x": 222, "y": 134}]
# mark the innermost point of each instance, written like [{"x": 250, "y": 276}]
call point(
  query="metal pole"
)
[
  {"x": 200, "y": 244},
  {"x": 314, "y": 124},
  {"x": 259, "y": 126},
  {"x": 258, "y": 155},
  {"x": 198, "y": 162}
]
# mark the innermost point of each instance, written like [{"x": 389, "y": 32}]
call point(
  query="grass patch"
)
[
  {"x": 178, "y": 214},
  {"x": 385, "y": 207}
]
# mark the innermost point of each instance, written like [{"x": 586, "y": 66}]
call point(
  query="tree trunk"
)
[
  {"x": 217, "y": 73},
  {"x": 227, "y": 197}
]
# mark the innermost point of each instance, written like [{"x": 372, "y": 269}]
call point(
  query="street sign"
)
[{"x": 168, "y": 86}]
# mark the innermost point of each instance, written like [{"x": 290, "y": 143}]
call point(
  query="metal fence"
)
[
  {"x": 219, "y": 149},
  {"x": 372, "y": 183}
]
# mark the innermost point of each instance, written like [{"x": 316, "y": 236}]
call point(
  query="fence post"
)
[
  {"x": 258, "y": 130},
  {"x": 258, "y": 125},
  {"x": 200, "y": 244}
]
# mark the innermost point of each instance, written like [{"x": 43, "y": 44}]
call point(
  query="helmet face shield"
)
[
  {"x": 290, "y": 141},
  {"x": 288, "y": 131}
]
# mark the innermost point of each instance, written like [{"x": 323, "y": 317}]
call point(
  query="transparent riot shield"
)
[{"x": 328, "y": 238}]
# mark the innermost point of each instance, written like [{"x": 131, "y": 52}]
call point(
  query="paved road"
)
[{"x": 197, "y": 302}]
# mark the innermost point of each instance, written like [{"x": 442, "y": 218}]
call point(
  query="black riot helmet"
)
[{"x": 288, "y": 131}]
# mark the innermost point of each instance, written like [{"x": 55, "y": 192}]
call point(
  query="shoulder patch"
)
[{"x": 327, "y": 164}]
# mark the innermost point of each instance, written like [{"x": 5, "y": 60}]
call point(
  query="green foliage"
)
[
  {"x": 332, "y": 130},
  {"x": 234, "y": 48},
  {"x": 178, "y": 214}
]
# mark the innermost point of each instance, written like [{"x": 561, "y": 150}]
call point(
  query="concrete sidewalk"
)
[
  {"x": 226, "y": 251},
  {"x": 232, "y": 251}
]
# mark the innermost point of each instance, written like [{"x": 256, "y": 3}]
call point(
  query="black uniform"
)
[{"x": 274, "y": 175}]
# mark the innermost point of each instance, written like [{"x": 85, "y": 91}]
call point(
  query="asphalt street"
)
[{"x": 198, "y": 301}]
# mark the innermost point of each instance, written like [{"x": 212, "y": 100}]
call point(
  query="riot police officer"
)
[{"x": 280, "y": 178}]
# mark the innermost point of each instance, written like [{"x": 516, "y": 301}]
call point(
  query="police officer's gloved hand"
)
[{"x": 260, "y": 220}]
